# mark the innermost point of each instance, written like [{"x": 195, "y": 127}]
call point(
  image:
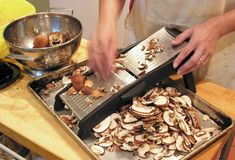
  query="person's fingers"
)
[
  {"x": 194, "y": 62},
  {"x": 95, "y": 55},
  {"x": 112, "y": 52},
  {"x": 183, "y": 54},
  {"x": 200, "y": 63},
  {"x": 182, "y": 37}
]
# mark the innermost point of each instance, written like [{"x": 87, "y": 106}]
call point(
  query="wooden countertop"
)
[{"x": 26, "y": 120}]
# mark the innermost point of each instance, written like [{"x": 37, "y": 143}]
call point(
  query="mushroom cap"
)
[{"x": 102, "y": 126}]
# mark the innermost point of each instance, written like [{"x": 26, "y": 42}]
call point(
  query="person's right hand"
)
[{"x": 102, "y": 49}]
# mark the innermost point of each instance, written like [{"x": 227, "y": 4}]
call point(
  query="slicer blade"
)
[
  {"x": 136, "y": 55},
  {"x": 78, "y": 103}
]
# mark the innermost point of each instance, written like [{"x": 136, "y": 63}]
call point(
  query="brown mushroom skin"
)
[
  {"x": 87, "y": 90},
  {"x": 78, "y": 82},
  {"x": 41, "y": 41},
  {"x": 56, "y": 38}
]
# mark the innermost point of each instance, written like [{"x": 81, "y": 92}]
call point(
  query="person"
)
[{"x": 203, "y": 22}]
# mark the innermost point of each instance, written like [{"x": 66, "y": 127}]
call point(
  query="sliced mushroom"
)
[
  {"x": 67, "y": 120},
  {"x": 142, "y": 66},
  {"x": 180, "y": 101},
  {"x": 158, "y": 156},
  {"x": 88, "y": 101},
  {"x": 157, "y": 150},
  {"x": 163, "y": 128},
  {"x": 210, "y": 129},
  {"x": 102, "y": 126},
  {"x": 98, "y": 150},
  {"x": 147, "y": 102},
  {"x": 88, "y": 83},
  {"x": 138, "y": 107},
  {"x": 148, "y": 94},
  {"x": 129, "y": 139},
  {"x": 106, "y": 144},
  {"x": 187, "y": 100},
  {"x": 202, "y": 136},
  {"x": 194, "y": 117},
  {"x": 119, "y": 66},
  {"x": 169, "y": 152},
  {"x": 168, "y": 140},
  {"x": 131, "y": 126},
  {"x": 172, "y": 146},
  {"x": 113, "y": 124},
  {"x": 205, "y": 118},
  {"x": 121, "y": 135},
  {"x": 143, "y": 149},
  {"x": 184, "y": 127},
  {"x": 161, "y": 101},
  {"x": 71, "y": 91},
  {"x": 127, "y": 147},
  {"x": 169, "y": 117},
  {"x": 149, "y": 127},
  {"x": 115, "y": 88},
  {"x": 140, "y": 138},
  {"x": 129, "y": 118},
  {"x": 98, "y": 93},
  {"x": 179, "y": 143}
]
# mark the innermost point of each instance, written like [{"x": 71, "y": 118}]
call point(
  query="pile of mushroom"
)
[
  {"x": 82, "y": 85},
  {"x": 53, "y": 39},
  {"x": 152, "y": 48},
  {"x": 158, "y": 124}
]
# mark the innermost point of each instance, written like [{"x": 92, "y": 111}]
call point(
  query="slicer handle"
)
[
  {"x": 136, "y": 91},
  {"x": 58, "y": 104},
  {"x": 189, "y": 82},
  {"x": 173, "y": 31}
]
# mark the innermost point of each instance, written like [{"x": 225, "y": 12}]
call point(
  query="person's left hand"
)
[{"x": 202, "y": 41}]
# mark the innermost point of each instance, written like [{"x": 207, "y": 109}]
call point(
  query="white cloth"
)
[{"x": 147, "y": 16}]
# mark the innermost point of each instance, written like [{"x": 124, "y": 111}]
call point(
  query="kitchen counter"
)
[{"x": 27, "y": 121}]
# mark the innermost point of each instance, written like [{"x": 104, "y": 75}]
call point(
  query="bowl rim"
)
[{"x": 24, "y": 18}]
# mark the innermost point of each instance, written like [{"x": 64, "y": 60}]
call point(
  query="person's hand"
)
[
  {"x": 202, "y": 41},
  {"x": 102, "y": 49}
]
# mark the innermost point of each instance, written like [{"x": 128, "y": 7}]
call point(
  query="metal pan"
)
[{"x": 219, "y": 119}]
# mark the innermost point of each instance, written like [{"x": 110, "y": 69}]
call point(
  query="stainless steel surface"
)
[
  {"x": 77, "y": 102},
  {"x": 20, "y": 57},
  {"x": 21, "y": 33},
  {"x": 136, "y": 56},
  {"x": 218, "y": 119},
  {"x": 7, "y": 153}
]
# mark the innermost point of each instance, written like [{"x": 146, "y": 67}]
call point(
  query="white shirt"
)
[{"x": 147, "y": 16}]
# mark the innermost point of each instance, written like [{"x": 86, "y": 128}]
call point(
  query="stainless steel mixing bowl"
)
[{"x": 21, "y": 33}]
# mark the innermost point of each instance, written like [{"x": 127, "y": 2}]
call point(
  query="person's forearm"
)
[
  {"x": 110, "y": 9},
  {"x": 226, "y": 22}
]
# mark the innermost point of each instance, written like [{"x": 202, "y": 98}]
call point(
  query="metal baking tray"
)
[
  {"x": 8, "y": 154},
  {"x": 218, "y": 118}
]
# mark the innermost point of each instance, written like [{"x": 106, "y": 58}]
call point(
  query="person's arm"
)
[
  {"x": 110, "y": 10},
  {"x": 102, "y": 49},
  {"x": 202, "y": 40}
]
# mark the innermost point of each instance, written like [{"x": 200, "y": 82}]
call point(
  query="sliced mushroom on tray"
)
[{"x": 159, "y": 124}]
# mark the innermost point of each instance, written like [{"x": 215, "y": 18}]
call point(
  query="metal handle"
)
[
  {"x": 68, "y": 11},
  {"x": 20, "y": 57}
]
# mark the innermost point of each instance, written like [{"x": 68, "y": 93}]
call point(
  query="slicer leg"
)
[
  {"x": 226, "y": 149},
  {"x": 189, "y": 82}
]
